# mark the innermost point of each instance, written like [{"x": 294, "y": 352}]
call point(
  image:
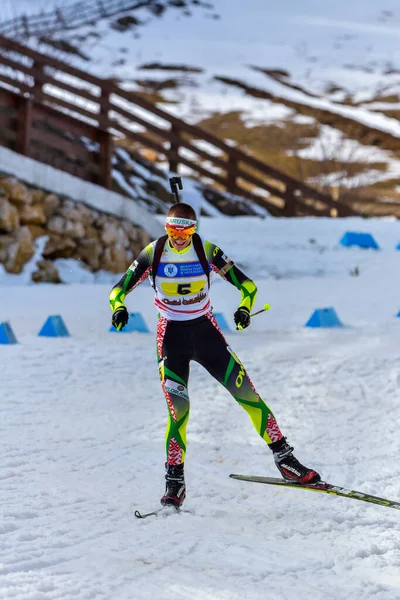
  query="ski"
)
[{"x": 321, "y": 486}]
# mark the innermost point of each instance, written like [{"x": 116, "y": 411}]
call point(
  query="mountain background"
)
[{"x": 311, "y": 89}]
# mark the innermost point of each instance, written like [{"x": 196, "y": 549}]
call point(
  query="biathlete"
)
[{"x": 179, "y": 266}]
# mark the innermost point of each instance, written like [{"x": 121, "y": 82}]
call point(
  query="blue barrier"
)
[
  {"x": 54, "y": 326},
  {"x": 222, "y": 322},
  {"x": 324, "y": 317},
  {"x": 135, "y": 323},
  {"x": 7, "y": 335},
  {"x": 362, "y": 240}
]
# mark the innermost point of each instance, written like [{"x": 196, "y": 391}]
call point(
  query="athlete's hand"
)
[
  {"x": 120, "y": 318},
  {"x": 242, "y": 317}
]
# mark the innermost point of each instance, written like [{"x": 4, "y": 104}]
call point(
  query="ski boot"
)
[
  {"x": 175, "y": 489},
  {"x": 291, "y": 468}
]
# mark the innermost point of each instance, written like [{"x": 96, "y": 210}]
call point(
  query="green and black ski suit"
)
[{"x": 187, "y": 330}]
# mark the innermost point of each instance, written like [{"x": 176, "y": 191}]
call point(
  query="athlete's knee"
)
[{"x": 177, "y": 398}]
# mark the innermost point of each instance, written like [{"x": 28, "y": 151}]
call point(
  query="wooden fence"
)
[
  {"x": 66, "y": 17},
  {"x": 70, "y": 119}
]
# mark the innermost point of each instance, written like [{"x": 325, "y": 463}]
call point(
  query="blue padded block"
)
[
  {"x": 362, "y": 240},
  {"x": 54, "y": 326},
  {"x": 7, "y": 335},
  {"x": 135, "y": 323},
  {"x": 222, "y": 322},
  {"x": 324, "y": 317}
]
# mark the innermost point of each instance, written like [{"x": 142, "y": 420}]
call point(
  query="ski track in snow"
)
[{"x": 82, "y": 425}]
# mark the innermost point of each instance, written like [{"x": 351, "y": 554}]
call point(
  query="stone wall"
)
[{"x": 73, "y": 230}]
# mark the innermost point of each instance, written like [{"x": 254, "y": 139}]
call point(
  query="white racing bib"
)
[{"x": 181, "y": 286}]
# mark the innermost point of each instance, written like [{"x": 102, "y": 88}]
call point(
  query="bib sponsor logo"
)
[
  {"x": 170, "y": 270},
  {"x": 184, "y": 301},
  {"x": 186, "y": 269}
]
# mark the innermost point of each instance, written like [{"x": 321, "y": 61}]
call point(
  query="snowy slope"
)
[
  {"x": 82, "y": 428},
  {"x": 352, "y": 46},
  {"x": 339, "y": 58}
]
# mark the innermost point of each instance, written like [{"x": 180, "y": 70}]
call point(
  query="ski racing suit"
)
[{"x": 187, "y": 330}]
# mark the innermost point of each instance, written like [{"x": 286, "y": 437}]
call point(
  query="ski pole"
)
[
  {"x": 176, "y": 184},
  {"x": 264, "y": 308}
]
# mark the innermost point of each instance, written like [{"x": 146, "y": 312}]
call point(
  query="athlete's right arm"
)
[{"x": 136, "y": 273}]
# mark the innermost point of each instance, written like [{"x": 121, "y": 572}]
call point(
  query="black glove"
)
[
  {"x": 242, "y": 317},
  {"x": 120, "y": 318}
]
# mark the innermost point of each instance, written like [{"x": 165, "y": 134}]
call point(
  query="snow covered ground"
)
[{"x": 82, "y": 434}]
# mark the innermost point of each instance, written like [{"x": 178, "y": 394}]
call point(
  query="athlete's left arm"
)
[{"x": 226, "y": 268}]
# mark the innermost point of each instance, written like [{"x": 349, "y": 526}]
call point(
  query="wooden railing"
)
[
  {"x": 63, "y": 116},
  {"x": 66, "y": 17}
]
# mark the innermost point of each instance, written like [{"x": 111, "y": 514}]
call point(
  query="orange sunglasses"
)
[{"x": 180, "y": 228}]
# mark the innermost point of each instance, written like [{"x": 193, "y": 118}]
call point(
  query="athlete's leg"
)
[
  {"x": 174, "y": 375},
  {"x": 215, "y": 355},
  {"x": 213, "y": 352}
]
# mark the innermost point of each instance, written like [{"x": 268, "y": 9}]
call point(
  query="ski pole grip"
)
[{"x": 264, "y": 308}]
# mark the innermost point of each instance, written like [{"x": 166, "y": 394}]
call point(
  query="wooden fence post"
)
[
  {"x": 173, "y": 155},
  {"x": 37, "y": 85},
  {"x": 336, "y": 212},
  {"x": 231, "y": 174},
  {"x": 104, "y": 108},
  {"x": 24, "y": 126},
  {"x": 105, "y": 140},
  {"x": 290, "y": 202},
  {"x": 105, "y": 159}
]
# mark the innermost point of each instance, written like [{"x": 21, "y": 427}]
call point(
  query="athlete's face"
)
[
  {"x": 180, "y": 231},
  {"x": 180, "y": 243}
]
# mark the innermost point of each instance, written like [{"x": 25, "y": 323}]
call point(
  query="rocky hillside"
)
[
  {"x": 99, "y": 241},
  {"x": 71, "y": 230}
]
